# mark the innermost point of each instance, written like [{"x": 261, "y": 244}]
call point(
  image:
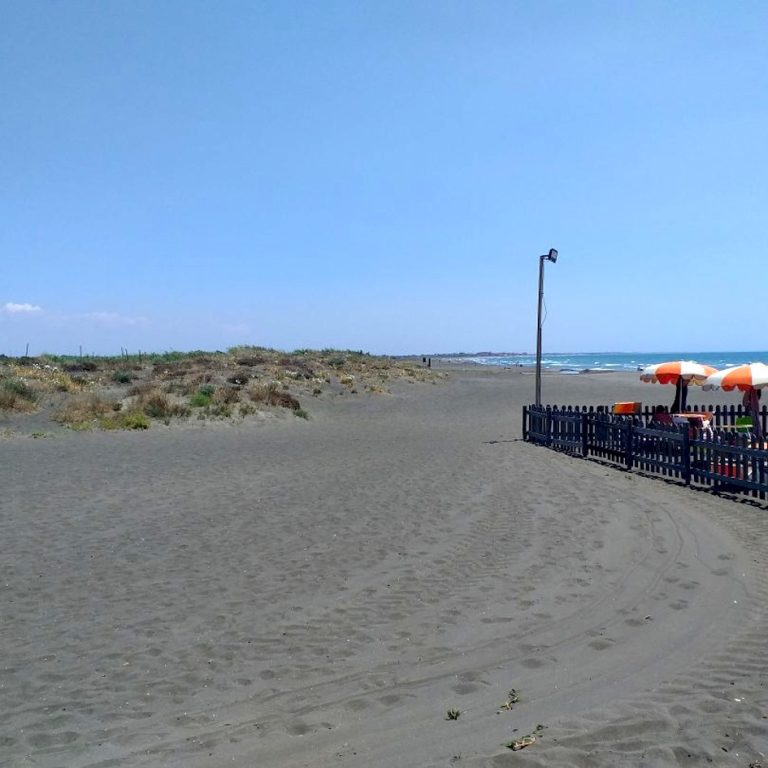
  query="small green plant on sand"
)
[
  {"x": 129, "y": 420},
  {"x": 135, "y": 420},
  {"x": 301, "y": 413},
  {"x": 122, "y": 377},
  {"x": 453, "y": 714},
  {"x": 201, "y": 399}
]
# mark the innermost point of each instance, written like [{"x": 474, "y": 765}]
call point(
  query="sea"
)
[{"x": 577, "y": 362}]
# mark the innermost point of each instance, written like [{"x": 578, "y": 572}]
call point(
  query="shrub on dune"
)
[
  {"x": 17, "y": 395},
  {"x": 203, "y": 397},
  {"x": 83, "y": 412},
  {"x": 157, "y": 405},
  {"x": 269, "y": 393}
]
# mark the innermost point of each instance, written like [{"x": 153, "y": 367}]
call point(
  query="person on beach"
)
[{"x": 751, "y": 403}]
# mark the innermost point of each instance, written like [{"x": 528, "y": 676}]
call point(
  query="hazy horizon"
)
[{"x": 672, "y": 354}]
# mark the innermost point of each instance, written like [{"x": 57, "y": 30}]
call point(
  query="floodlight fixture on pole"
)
[{"x": 551, "y": 256}]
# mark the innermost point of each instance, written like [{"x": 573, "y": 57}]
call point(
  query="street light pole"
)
[{"x": 551, "y": 256}]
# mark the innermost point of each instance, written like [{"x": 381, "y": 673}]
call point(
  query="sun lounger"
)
[{"x": 627, "y": 408}]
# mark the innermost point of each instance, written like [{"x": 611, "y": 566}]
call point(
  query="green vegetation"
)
[
  {"x": 79, "y": 390},
  {"x": 200, "y": 399},
  {"x": 134, "y": 420},
  {"x": 83, "y": 412},
  {"x": 263, "y": 392},
  {"x": 122, "y": 377},
  {"x": 92, "y": 412},
  {"x": 16, "y": 394},
  {"x": 129, "y": 420}
]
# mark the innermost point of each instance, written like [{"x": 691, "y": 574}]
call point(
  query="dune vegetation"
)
[{"x": 133, "y": 391}]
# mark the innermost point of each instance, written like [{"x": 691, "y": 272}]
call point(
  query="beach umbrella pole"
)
[{"x": 678, "y": 404}]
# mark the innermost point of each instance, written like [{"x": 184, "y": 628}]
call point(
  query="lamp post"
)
[{"x": 551, "y": 256}]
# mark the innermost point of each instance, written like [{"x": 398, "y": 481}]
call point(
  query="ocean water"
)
[{"x": 620, "y": 361}]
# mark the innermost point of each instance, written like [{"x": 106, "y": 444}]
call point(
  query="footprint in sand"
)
[
  {"x": 53, "y": 739},
  {"x": 464, "y": 688},
  {"x": 357, "y": 705},
  {"x": 390, "y": 699}
]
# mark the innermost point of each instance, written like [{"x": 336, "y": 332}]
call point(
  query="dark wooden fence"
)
[{"x": 721, "y": 459}]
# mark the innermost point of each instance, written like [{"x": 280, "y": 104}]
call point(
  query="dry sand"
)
[{"x": 320, "y": 593}]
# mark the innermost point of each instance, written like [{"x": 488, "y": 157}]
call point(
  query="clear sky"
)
[{"x": 383, "y": 175}]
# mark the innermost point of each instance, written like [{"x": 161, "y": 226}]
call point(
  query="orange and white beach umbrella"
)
[
  {"x": 671, "y": 373},
  {"x": 741, "y": 377},
  {"x": 681, "y": 373},
  {"x": 747, "y": 378}
]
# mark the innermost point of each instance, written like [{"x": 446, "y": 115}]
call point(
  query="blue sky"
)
[{"x": 382, "y": 175}]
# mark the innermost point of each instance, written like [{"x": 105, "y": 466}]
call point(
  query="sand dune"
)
[{"x": 320, "y": 593}]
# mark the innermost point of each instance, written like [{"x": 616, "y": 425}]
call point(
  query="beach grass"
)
[{"x": 121, "y": 392}]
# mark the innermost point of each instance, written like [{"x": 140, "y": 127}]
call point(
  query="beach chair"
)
[
  {"x": 662, "y": 418},
  {"x": 729, "y": 471},
  {"x": 743, "y": 424},
  {"x": 627, "y": 408}
]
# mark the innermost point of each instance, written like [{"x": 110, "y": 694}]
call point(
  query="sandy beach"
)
[{"x": 321, "y": 592}]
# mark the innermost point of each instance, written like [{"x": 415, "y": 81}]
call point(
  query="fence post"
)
[
  {"x": 525, "y": 423},
  {"x": 628, "y": 445},
  {"x": 548, "y": 427},
  {"x": 584, "y": 440},
  {"x": 686, "y": 456}
]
